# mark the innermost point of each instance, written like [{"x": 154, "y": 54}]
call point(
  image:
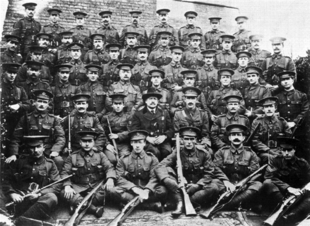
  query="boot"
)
[
  {"x": 156, "y": 206},
  {"x": 240, "y": 199},
  {"x": 37, "y": 211},
  {"x": 179, "y": 205},
  {"x": 97, "y": 211}
]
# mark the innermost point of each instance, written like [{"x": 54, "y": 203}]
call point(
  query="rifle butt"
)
[
  {"x": 272, "y": 219},
  {"x": 116, "y": 220},
  {"x": 71, "y": 221},
  {"x": 189, "y": 209},
  {"x": 206, "y": 214}
]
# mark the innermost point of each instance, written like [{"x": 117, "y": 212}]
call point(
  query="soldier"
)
[
  {"x": 190, "y": 115},
  {"x": 133, "y": 94},
  {"x": 226, "y": 58},
  {"x": 63, "y": 52},
  {"x": 81, "y": 119},
  {"x": 276, "y": 63},
  {"x": 215, "y": 101},
  {"x": 97, "y": 91},
  {"x": 63, "y": 91},
  {"x": 286, "y": 175},
  {"x": 97, "y": 55},
  {"x": 14, "y": 102},
  {"x": 204, "y": 181},
  {"x": 212, "y": 38},
  {"x": 141, "y": 71},
  {"x": 192, "y": 57},
  {"x": 109, "y": 31},
  {"x": 129, "y": 53},
  {"x": 89, "y": 166},
  {"x": 190, "y": 27},
  {"x": 78, "y": 71},
  {"x": 272, "y": 127},
  {"x": 156, "y": 78},
  {"x": 219, "y": 137},
  {"x": 157, "y": 122},
  {"x": 174, "y": 78},
  {"x": 81, "y": 33},
  {"x": 53, "y": 28},
  {"x": 258, "y": 55},
  {"x": 163, "y": 26},
  {"x": 238, "y": 162},
  {"x": 135, "y": 26},
  {"x": 242, "y": 36},
  {"x": 135, "y": 175},
  {"x": 10, "y": 55},
  {"x": 161, "y": 56},
  {"x": 42, "y": 123},
  {"x": 26, "y": 28},
  {"x": 29, "y": 170},
  {"x": 254, "y": 92},
  {"x": 119, "y": 123},
  {"x": 239, "y": 79},
  {"x": 110, "y": 72},
  {"x": 207, "y": 74}
]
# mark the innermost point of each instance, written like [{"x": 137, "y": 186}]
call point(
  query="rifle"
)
[
  {"x": 249, "y": 139},
  {"x": 125, "y": 212},
  {"x": 73, "y": 219},
  {"x": 189, "y": 209},
  {"x": 227, "y": 196},
  {"x": 37, "y": 190},
  {"x": 113, "y": 140},
  {"x": 69, "y": 133}
]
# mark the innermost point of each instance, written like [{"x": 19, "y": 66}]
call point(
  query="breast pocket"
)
[{"x": 46, "y": 128}]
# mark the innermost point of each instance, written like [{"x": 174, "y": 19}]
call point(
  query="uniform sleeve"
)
[
  {"x": 66, "y": 171},
  {"x": 254, "y": 163},
  {"x": 208, "y": 170},
  {"x": 162, "y": 169},
  {"x": 101, "y": 140},
  {"x": 153, "y": 182},
  {"x": 219, "y": 159},
  {"x": 59, "y": 136},
  {"x": 176, "y": 121},
  {"x": 138, "y": 101},
  {"x": 17, "y": 136},
  {"x": 123, "y": 136},
  {"x": 205, "y": 132},
  {"x": 135, "y": 122},
  {"x": 24, "y": 103},
  {"x": 152, "y": 38},
  {"x": 121, "y": 176},
  {"x": 304, "y": 107},
  {"x": 257, "y": 142},
  {"x": 215, "y": 132},
  {"x": 53, "y": 176},
  {"x": 169, "y": 126},
  {"x": 86, "y": 59},
  {"x": 107, "y": 167},
  {"x": 286, "y": 129},
  {"x": 17, "y": 29},
  {"x": 8, "y": 177}
]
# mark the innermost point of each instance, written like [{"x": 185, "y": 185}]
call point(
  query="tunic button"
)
[{"x": 31, "y": 177}]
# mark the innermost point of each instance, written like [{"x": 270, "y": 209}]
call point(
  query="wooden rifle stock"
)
[
  {"x": 69, "y": 133},
  {"x": 113, "y": 140},
  {"x": 250, "y": 138}
]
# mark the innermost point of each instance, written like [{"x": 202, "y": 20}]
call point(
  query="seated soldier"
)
[
  {"x": 135, "y": 176},
  {"x": 89, "y": 166}
]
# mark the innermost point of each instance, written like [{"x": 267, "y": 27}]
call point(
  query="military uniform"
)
[
  {"x": 160, "y": 57},
  {"x": 166, "y": 98},
  {"x": 63, "y": 54},
  {"x": 129, "y": 55},
  {"x": 8, "y": 56},
  {"x": 82, "y": 35},
  {"x": 142, "y": 37},
  {"x": 173, "y": 75},
  {"x": 99, "y": 57},
  {"x": 185, "y": 31},
  {"x": 212, "y": 39},
  {"x": 110, "y": 33},
  {"x": 258, "y": 56},
  {"x": 225, "y": 59},
  {"x": 141, "y": 74},
  {"x": 30, "y": 85},
  {"x": 110, "y": 73},
  {"x": 153, "y": 38},
  {"x": 192, "y": 58},
  {"x": 53, "y": 29},
  {"x": 207, "y": 76},
  {"x": 78, "y": 72},
  {"x": 242, "y": 40},
  {"x": 239, "y": 80},
  {"x": 45, "y": 74}
]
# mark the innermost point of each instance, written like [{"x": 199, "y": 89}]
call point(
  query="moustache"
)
[
  {"x": 41, "y": 107},
  {"x": 81, "y": 108},
  {"x": 236, "y": 140}
]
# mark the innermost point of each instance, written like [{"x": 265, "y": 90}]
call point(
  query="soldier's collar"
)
[
  {"x": 278, "y": 56},
  {"x": 140, "y": 155},
  {"x": 130, "y": 47},
  {"x": 241, "y": 69},
  {"x": 230, "y": 115},
  {"x": 106, "y": 26},
  {"x": 163, "y": 48},
  {"x": 90, "y": 83},
  {"x": 190, "y": 26},
  {"x": 215, "y": 31},
  {"x": 85, "y": 153},
  {"x": 253, "y": 86},
  {"x": 29, "y": 18},
  {"x": 117, "y": 113},
  {"x": 289, "y": 92},
  {"x": 224, "y": 87},
  {"x": 63, "y": 84},
  {"x": 291, "y": 161},
  {"x": 143, "y": 62},
  {"x": 190, "y": 111},
  {"x": 189, "y": 153},
  {"x": 10, "y": 52},
  {"x": 271, "y": 119},
  {"x": 227, "y": 51},
  {"x": 124, "y": 83},
  {"x": 54, "y": 24},
  {"x": 80, "y": 27},
  {"x": 76, "y": 61},
  {"x": 195, "y": 50},
  {"x": 159, "y": 88},
  {"x": 37, "y": 113},
  {"x": 208, "y": 67},
  {"x": 235, "y": 149},
  {"x": 36, "y": 81},
  {"x": 114, "y": 62},
  {"x": 38, "y": 161},
  {"x": 163, "y": 25},
  {"x": 175, "y": 64}
]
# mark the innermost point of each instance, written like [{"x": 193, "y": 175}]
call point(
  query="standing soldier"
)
[
  {"x": 53, "y": 28},
  {"x": 97, "y": 55},
  {"x": 258, "y": 55},
  {"x": 239, "y": 79},
  {"x": 81, "y": 33},
  {"x": 63, "y": 91},
  {"x": 276, "y": 63},
  {"x": 135, "y": 26},
  {"x": 218, "y": 131},
  {"x": 118, "y": 120},
  {"x": 110, "y": 72},
  {"x": 63, "y": 52},
  {"x": 242, "y": 37},
  {"x": 226, "y": 58},
  {"x": 184, "y": 31},
  {"x": 157, "y": 122},
  {"x": 109, "y": 31},
  {"x": 190, "y": 115},
  {"x": 78, "y": 71},
  {"x": 40, "y": 122},
  {"x": 161, "y": 56},
  {"x": 89, "y": 166},
  {"x": 192, "y": 57},
  {"x": 14, "y": 102},
  {"x": 129, "y": 53},
  {"x": 212, "y": 38},
  {"x": 133, "y": 94},
  {"x": 272, "y": 126},
  {"x": 26, "y": 28},
  {"x": 135, "y": 176},
  {"x": 163, "y": 26},
  {"x": 10, "y": 55}
]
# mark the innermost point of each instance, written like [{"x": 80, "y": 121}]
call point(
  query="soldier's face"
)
[
  {"x": 225, "y": 80},
  {"x": 64, "y": 76},
  {"x": 135, "y": 19},
  {"x": 66, "y": 40},
  {"x": 236, "y": 138},
  {"x": 176, "y": 56},
  {"x": 288, "y": 153},
  {"x": 33, "y": 72},
  {"x": 80, "y": 21},
  {"x": 37, "y": 151},
  {"x": 44, "y": 42},
  {"x": 287, "y": 83},
  {"x": 12, "y": 45},
  {"x": 114, "y": 54},
  {"x": 190, "y": 20},
  {"x": 41, "y": 104},
  {"x": 75, "y": 53},
  {"x": 125, "y": 75},
  {"x": 142, "y": 56},
  {"x": 93, "y": 75},
  {"x": 243, "y": 61},
  {"x": 190, "y": 102},
  {"x": 151, "y": 102},
  {"x": 131, "y": 41},
  {"x": 87, "y": 144},
  {"x": 118, "y": 106},
  {"x": 54, "y": 17},
  {"x": 242, "y": 25},
  {"x": 208, "y": 60},
  {"x": 163, "y": 18},
  {"x": 30, "y": 12},
  {"x": 106, "y": 20},
  {"x": 233, "y": 107},
  {"x": 255, "y": 43},
  {"x": 156, "y": 80},
  {"x": 138, "y": 145},
  {"x": 189, "y": 142},
  {"x": 215, "y": 25},
  {"x": 36, "y": 56},
  {"x": 277, "y": 47},
  {"x": 189, "y": 81},
  {"x": 10, "y": 76},
  {"x": 252, "y": 78},
  {"x": 81, "y": 106},
  {"x": 227, "y": 45},
  {"x": 195, "y": 43},
  {"x": 269, "y": 110},
  {"x": 164, "y": 41},
  {"x": 98, "y": 44}
]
